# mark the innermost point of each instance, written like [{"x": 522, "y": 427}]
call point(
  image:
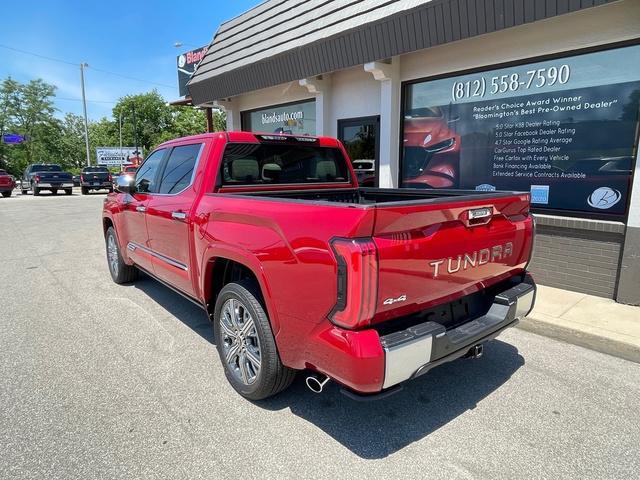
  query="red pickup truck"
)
[{"x": 300, "y": 269}]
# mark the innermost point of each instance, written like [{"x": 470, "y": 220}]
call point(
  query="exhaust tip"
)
[{"x": 316, "y": 383}]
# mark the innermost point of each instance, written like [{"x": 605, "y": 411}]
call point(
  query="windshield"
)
[
  {"x": 46, "y": 168},
  {"x": 272, "y": 164},
  {"x": 95, "y": 170}
]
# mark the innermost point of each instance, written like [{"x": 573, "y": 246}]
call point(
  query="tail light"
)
[{"x": 357, "y": 288}]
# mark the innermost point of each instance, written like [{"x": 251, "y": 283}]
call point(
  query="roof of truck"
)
[{"x": 252, "y": 137}]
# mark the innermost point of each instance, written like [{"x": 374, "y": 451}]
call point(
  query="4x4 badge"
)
[{"x": 391, "y": 301}]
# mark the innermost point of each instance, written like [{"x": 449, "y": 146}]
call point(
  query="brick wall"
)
[{"x": 578, "y": 255}]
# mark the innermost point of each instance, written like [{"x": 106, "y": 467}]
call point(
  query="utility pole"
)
[
  {"x": 121, "y": 157},
  {"x": 84, "y": 108},
  {"x": 135, "y": 132}
]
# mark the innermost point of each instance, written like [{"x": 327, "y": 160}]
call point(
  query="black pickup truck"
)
[
  {"x": 48, "y": 176},
  {"x": 95, "y": 178}
]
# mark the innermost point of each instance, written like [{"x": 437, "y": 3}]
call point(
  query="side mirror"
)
[{"x": 125, "y": 184}]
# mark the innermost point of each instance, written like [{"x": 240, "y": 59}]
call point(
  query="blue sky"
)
[{"x": 132, "y": 38}]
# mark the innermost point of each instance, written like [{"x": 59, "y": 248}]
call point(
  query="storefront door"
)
[{"x": 361, "y": 138}]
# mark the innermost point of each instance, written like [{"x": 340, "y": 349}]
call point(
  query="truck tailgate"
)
[{"x": 432, "y": 253}]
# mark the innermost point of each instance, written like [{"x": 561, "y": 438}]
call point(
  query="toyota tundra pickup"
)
[{"x": 299, "y": 268}]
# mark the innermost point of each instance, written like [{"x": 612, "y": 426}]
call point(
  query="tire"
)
[
  {"x": 6, "y": 194},
  {"x": 36, "y": 191},
  {"x": 23, "y": 191},
  {"x": 271, "y": 376},
  {"x": 84, "y": 190},
  {"x": 120, "y": 271},
  {"x": 68, "y": 191},
  {"x": 54, "y": 191}
]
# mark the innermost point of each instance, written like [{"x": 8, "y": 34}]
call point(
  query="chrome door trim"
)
[{"x": 174, "y": 263}]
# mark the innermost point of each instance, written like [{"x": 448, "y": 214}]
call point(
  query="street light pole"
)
[
  {"x": 120, "y": 123},
  {"x": 84, "y": 108}
]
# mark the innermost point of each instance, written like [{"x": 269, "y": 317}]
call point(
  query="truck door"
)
[
  {"x": 135, "y": 208},
  {"x": 168, "y": 217}
]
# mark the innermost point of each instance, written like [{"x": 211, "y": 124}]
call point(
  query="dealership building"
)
[{"x": 529, "y": 95}]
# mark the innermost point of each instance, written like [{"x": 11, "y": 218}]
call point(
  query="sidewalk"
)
[{"x": 592, "y": 322}]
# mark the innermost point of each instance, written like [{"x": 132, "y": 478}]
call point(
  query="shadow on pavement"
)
[
  {"x": 377, "y": 429},
  {"x": 176, "y": 305},
  {"x": 374, "y": 429}
]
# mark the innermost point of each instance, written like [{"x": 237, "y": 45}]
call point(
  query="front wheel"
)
[
  {"x": 120, "y": 271},
  {"x": 246, "y": 345}
]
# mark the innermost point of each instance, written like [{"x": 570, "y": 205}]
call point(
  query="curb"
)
[{"x": 606, "y": 345}]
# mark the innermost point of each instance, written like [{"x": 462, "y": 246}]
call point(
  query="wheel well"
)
[
  {"x": 106, "y": 223},
  {"x": 226, "y": 271}
]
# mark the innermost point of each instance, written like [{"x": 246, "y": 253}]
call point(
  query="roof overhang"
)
[{"x": 248, "y": 53}]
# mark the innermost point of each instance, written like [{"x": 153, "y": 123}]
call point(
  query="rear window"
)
[
  {"x": 273, "y": 164},
  {"x": 95, "y": 170},
  {"x": 46, "y": 168}
]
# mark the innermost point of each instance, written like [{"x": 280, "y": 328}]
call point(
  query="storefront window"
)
[
  {"x": 565, "y": 129},
  {"x": 292, "y": 118},
  {"x": 360, "y": 137}
]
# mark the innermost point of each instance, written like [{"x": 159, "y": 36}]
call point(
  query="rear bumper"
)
[
  {"x": 54, "y": 185},
  {"x": 96, "y": 185},
  {"x": 407, "y": 354}
]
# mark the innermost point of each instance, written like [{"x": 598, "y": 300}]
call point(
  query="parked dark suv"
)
[{"x": 95, "y": 178}]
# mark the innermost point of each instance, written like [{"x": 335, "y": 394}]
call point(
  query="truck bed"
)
[{"x": 375, "y": 196}]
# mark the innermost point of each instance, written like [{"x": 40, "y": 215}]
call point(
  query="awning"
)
[{"x": 282, "y": 41}]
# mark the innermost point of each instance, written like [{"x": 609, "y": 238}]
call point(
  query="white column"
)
[
  {"x": 388, "y": 74},
  {"x": 233, "y": 113},
  {"x": 320, "y": 86}
]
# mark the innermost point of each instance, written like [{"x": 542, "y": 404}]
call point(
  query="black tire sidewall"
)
[{"x": 270, "y": 362}]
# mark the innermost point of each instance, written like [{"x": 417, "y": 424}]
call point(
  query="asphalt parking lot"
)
[{"x": 105, "y": 381}]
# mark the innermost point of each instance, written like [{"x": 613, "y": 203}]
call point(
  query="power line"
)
[
  {"x": 88, "y": 101},
  {"x": 52, "y": 59}
]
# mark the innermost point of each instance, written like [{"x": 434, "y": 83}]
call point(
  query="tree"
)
[{"x": 145, "y": 117}]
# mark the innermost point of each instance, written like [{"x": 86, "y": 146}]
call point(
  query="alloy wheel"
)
[{"x": 240, "y": 342}]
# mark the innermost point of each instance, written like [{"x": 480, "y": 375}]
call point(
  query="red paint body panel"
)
[{"x": 286, "y": 244}]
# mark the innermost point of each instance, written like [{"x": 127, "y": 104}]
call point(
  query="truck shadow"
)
[
  {"x": 377, "y": 429},
  {"x": 374, "y": 429},
  {"x": 181, "y": 308}
]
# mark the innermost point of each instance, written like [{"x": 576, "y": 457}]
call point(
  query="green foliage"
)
[{"x": 144, "y": 120}]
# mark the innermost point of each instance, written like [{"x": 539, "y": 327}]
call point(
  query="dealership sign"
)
[
  {"x": 116, "y": 156},
  {"x": 187, "y": 63},
  {"x": 565, "y": 130}
]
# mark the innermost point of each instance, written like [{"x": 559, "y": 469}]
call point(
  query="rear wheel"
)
[
  {"x": 246, "y": 345},
  {"x": 120, "y": 271},
  {"x": 6, "y": 194}
]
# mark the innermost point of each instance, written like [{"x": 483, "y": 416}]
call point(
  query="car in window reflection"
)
[
  {"x": 365, "y": 172},
  {"x": 431, "y": 149}
]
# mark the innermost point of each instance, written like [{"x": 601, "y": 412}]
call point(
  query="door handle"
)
[
  {"x": 140, "y": 208},
  {"x": 178, "y": 215}
]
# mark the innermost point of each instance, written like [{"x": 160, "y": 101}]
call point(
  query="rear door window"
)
[
  {"x": 179, "y": 168},
  {"x": 273, "y": 164}
]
